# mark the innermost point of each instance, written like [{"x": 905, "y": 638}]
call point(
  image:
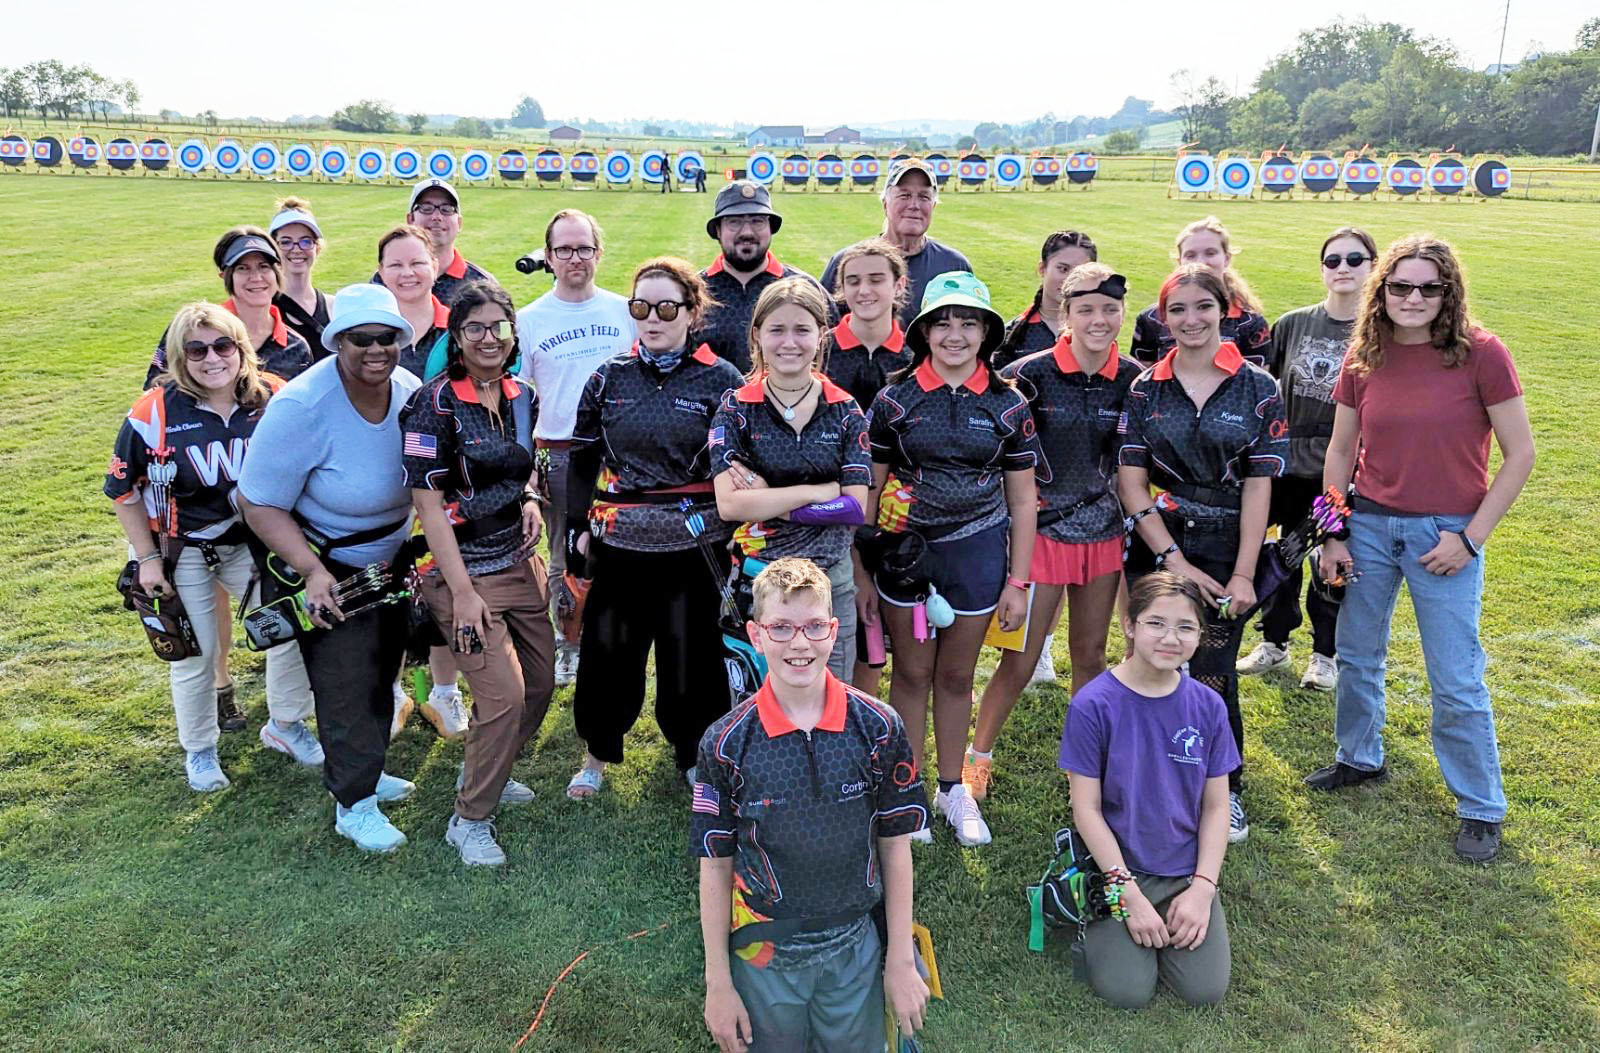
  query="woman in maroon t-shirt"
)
[{"x": 1421, "y": 390}]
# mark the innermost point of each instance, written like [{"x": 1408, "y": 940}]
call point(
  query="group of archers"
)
[{"x": 891, "y": 462}]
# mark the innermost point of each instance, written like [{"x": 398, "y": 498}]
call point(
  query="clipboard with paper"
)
[{"x": 1015, "y": 639}]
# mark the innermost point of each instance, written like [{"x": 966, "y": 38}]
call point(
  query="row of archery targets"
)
[{"x": 1355, "y": 175}]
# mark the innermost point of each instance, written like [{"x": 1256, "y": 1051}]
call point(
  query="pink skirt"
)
[{"x": 1065, "y": 563}]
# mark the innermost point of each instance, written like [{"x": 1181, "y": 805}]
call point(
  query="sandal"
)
[
  {"x": 585, "y": 784},
  {"x": 229, "y": 716}
]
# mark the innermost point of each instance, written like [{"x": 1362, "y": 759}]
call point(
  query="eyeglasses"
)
[
  {"x": 566, "y": 252},
  {"x": 1353, "y": 259},
  {"x": 666, "y": 310},
  {"x": 477, "y": 330},
  {"x": 196, "y": 350},
  {"x": 388, "y": 338},
  {"x": 816, "y": 630},
  {"x": 428, "y": 209},
  {"x": 746, "y": 222},
  {"x": 1159, "y": 629},
  {"x": 303, "y": 244},
  {"x": 1403, "y": 290}
]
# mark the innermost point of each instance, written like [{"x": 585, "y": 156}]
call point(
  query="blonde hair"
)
[
  {"x": 790, "y": 578},
  {"x": 1239, "y": 292},
  {"x": 1450, "y": 329},
  {"x": 801, "y": 293},
  {"x": 249, "y": 389}
]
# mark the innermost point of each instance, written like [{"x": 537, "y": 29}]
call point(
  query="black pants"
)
[
  {"x": 352, "y": 669},
  {"x": 639, "y": 599},
  {"x": 1291, "y": 500}
]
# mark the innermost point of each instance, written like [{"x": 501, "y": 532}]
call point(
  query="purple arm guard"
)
[{"x": 841, "y": 511}]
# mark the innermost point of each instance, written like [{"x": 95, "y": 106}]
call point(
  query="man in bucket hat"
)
[{"x": 742, "y": 223}]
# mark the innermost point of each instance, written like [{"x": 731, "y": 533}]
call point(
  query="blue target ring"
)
[
  {"x": 264, "y": 159},
  {"x": 1236, "y": 176},
  {"x": 1362, "y": 175},
  {"x": 619, "y": 167},
  {"x": 762, "y": 167},
  {"x": 83, "y": 151},
  {"x": 193, "y": 155},
  {"x": 1447, "y": 176},
  {"x": 943, "y": 167},
  {"x": 1008, "y": 170},
  {"x": 1405, "y": 177},
  {"x": 1045, "y": 170},
  {"x": 405, "y": 163},
  {"x": 511, "y": 164},
  {"x": 1278, "y": 174},
  {"x": 476, "y": 165},
  {"x": 371, "y": 163},
  {"x": 14, "y": 150},
  {"x": 333, "y": 162},
  {"x": 121, "y": 154},
  {"x": 228, "y": 157},
  {"x": 653, "y": 166},
  {"x": 796, "y": 170},
  {"x": 442, "y": 164},
  {"x": 583, "y": 166},
  {"x": 1196, "y": 174},
  {"x": 155, "y": 154},
  {"x": 47, "y": 151},
  {"x": 688, "y": 163},
  {"x": 299, "y": 159},
  {"x": 1082, "y": 167},
  {"x": 548, "y": 165},
  {"x": 973, "y": 169}
]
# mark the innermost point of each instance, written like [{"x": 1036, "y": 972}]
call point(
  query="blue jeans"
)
[{"x": 1386, "y": 550}]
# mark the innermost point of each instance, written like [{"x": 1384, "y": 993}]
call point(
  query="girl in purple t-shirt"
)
[{"x": 1147, "y": 751}]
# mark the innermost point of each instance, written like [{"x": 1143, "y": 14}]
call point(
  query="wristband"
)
[
  {"x": 1202, "y": 877},
  {"x": 1116, "y": 880},
  {"x": 1472, "y": 550},
  {"x": 1164, "y": 554},
  {"x": 1132, "y": 521},
  {"x": 1017, "y": 583},
  {"x": 157, "y": 555}
]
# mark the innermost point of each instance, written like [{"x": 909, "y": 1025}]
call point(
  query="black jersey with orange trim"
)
[
  {"x": 1026, "y": 334},
  {"x": 206, "y": 449},
  {"x": 726, "y": 327},
  {"x": 861, "y": 372},
  {"x": 1077, "y": 415},
  {"x": 801, "y": 812},
  {"x": 284, "y": 353},
  {"x": 453, "y": 444},
  {"x": 831, "y": 448},
  {"x": 639, "y": 432},
  {"x": 414, "y": 356},
  {"x": 452, "y": 277},
  {"x": 1246, "y": 330}
]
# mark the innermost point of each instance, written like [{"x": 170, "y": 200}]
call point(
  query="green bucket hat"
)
[{"x": 956, "y": 289}]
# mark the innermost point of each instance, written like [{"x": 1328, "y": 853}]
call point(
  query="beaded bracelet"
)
[{"x": 1116, "y": 879}]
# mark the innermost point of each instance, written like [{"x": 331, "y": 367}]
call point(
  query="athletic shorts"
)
[
  {"x": 1069, "y": 563},
  {"x": 969, "y": 572}
]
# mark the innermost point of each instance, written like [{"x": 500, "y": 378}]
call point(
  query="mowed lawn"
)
[{"x": 137, "y": 915}]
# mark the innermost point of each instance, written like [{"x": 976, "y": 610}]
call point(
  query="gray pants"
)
[
  {"x": 841, "y": 576},
  {"x": 832, "y": 1007},
  {"x": 1125, "y": 974}
]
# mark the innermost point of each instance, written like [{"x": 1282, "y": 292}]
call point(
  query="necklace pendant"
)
[{"x": 788, "y": 413}]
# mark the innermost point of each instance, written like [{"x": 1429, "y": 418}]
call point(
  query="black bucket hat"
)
[{"x": 742, "y": 198}]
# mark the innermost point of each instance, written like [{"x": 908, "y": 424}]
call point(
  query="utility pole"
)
[
  {"x": 1594, "y": 144},
  {"x": 1500, "y": 66}
]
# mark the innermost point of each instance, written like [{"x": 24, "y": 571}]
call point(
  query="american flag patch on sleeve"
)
[
  {"x": 717, "y": 438},
  {"x": 706, "y": 799},
  {"x": 420, "y": 445}
]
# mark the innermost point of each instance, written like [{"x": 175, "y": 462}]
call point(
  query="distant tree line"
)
[{"x": 57, "y": 90}]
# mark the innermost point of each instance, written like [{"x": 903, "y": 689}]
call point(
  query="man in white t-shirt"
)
[{"x": 564, "y": 336}]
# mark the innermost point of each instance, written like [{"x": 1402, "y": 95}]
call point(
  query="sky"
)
[{"x": 716, "y": 62}]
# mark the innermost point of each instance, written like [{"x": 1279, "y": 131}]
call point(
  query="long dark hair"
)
[
  {"x": 921, "y": 349},
  {"x": 1011, "y": 345},
  {"x": 472, "y": 296}
]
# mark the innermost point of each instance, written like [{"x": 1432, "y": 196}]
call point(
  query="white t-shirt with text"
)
[{"x": 563, "y": 343}]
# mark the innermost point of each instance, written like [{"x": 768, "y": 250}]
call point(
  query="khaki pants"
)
[{"x": 511, "y": 680}]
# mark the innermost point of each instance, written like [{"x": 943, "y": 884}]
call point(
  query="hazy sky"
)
[{"x": 714, "y": 61}]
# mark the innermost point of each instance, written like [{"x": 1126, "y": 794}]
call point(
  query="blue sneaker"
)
[
  {"x": 391, "y": 788},
  {"x": 204, "y": 771},
  {"x": 369, "y": 828},
  {"x": 296, "y": 740}
]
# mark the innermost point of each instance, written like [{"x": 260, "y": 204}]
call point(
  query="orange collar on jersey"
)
[
  {"x": 280, "y": 332},
  {"x": 1067, "y": 362},
  {"x": 772, "y": 266},
  {"x": 1030, "y": 317},
  {"x": 1228, "y": 359},
  {"x": 441, "y": 313},
  {"x": 458, "y": 265},
  {"x": 927, "y": 379},
  {"x": 752, "y": 393},
  {"x": 702, "y": 354},
  {"x": 845, "y": 338},
  {"x": 775, "y": 722},
  {"x": 466, "y": 389}
]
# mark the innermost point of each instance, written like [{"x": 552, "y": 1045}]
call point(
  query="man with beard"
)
[
  {"x": 909, "y": 198},
  {"x": 743, "y": 224}
]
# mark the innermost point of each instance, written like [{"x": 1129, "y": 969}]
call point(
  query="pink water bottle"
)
[
  {"x": 875, "y": 650},
  {"x": 919, "y": 622}
]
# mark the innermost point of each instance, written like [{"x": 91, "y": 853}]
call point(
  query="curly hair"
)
[
  {"x": 1450, "y": 331},
  {"x": 801, "y": 293},
  {"x": 697, "y": 299}
]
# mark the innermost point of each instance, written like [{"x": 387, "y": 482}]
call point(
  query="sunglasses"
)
[
  {"x": 1403, "y": 290},
  {"x": 1352, "y": 259},
  {"x": 388, "y": 338},
  {"x": 196, "y": 350},
  {"x": 495, "y": 330},
  {"x": 816, "y": 630},
  {"x": 303, "y": 244},
  {"x": 666, "y": 310}
]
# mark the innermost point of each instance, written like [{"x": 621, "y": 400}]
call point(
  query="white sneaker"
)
[
  {"x": 1044, "y": 670},
  {"x": 1266, "y": 656},
  {"x": 566, "y": 665},
  {"x": 393, "y": 788},
  {"x": 513, "y": 792},
  {"x": 1322, "y": 673},
  {"x": 369, "y": 828},
  {"x": 204, "y": 771},
  {"x": 474, "y": 839},
  {"x": 1238, "y": 825},
  {"x": 296, "y": 740},
  {"x": 923, "y": 836},
  {"x": 403, "y": 708},
  {"x": 446, "y": 712},
  {"x": 963, "y": 815}
]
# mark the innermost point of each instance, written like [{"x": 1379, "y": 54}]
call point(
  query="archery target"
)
[
  {"x": 619, "y": 167},
  {"x": 155, "y": 154},
  {"x": 548, "y": 165},
  {"x": 653, "y": 166},
  {"x": 511, "y": 164},
  {"x": 371, "y": 163},
  {"x": 1447, "y": 176},
  {"x": 1236, "y": 176},
  {"x": 1405, "y": 177},
  {"x": 688, "y": 163},
  {"x": 943, "y": 167},
  {"x": 264, "y": 159},
  {"x": 1319, "y": 173},
  {"x": 47, "y": 151},
  {"x": 299, "y": 159},
  {"x": 1278, "y": 174},
  {"x": 121, "y": 154},
  {"x": 84, "y": 151},
  {"x": 476, "y": 165},
  {"x": 1195, "y": 174},
  {"x": 796, "y": 169},
  {"x": 1362, "y": 175},
  {"x": 973, "y": 169},
  {"x": 1082, "y": 167},
  {"x": 193, "y": 156},
  {"x": 1045, "y": 170},
  {"x": 13, "y": 150},
  {"x": 333, "y": 162},
  {"x": 405, "y": 163},
  {"x": 762, "y": 167},
  {"x": 1491, "y": 178},
  {"x": 1008, "y": 170},
  {"x": 228, "y": 157},
  {"x": 584, "y": 166},
  {"x": 864, "y": 169},
  {"x": 829, "y": 170},
  {"x": 442, "y": 164}
]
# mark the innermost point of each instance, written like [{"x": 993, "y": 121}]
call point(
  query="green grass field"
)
[{"x": 137, "y": 915}]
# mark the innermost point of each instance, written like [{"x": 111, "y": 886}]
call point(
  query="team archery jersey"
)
[
  {"x": 930, "y": 261},
  {"x": 726, "y": 328},
  {"x": 1077, "y": 416},
  {"x": 801, "y": 812},
  {"x": 1026, "y": 335},
  {"x": 1310, "y": 347},
  {"x": 453, "y": 444},
  {"x": 640, "y": 439},
  {"x": 1246, "y": 330},
  {"x": 283, "y": 354},
  {"x": 414, "y": 356},
  {"x": 861, "y": 372},
  {"x": 452, "y": 278},
  {"x": 206, "y": 450},
  {"x": 1238, "y": 434},
  {"x": 947, "y": 450},
  {"x": 831, "y": 448}
]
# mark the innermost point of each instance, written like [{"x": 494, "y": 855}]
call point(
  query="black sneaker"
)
[
  {"x": 1338, "y": 775},
  {"x": 229, "y": 716},
  {"x": 1478, "y": 841}
]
